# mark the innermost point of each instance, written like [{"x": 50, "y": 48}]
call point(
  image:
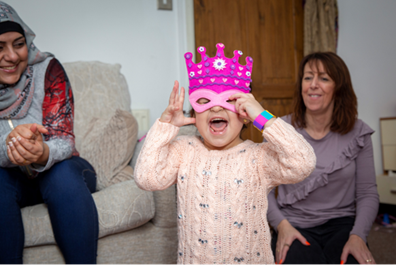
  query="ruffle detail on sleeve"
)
[{"x": 303, "y": 189}]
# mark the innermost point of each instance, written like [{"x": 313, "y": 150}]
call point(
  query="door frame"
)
[{"x": 185, "y": 41}]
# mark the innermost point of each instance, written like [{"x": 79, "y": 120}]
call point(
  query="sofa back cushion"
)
[
  {"x": 109, "y": 145},
  {"x": 98, "y": 90},
  {"x": 104, "y": 128}
]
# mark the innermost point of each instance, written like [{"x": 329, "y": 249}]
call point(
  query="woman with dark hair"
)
[
  {"x": 326, "y": 218},
  {"x": 38, "y": 160}
]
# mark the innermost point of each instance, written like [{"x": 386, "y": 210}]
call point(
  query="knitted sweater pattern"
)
[{"x": 222, "y": 195}]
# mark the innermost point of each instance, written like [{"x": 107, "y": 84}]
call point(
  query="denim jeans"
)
[
  {"x": 66, "y": 189},
  {"x": 327, "y": 242}
]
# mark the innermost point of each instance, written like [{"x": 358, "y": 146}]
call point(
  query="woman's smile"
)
[
  {"x": 313, "y": 96},
  {"x": 13, "y": 57},
  {"x": 9, "y": 69},
  {"x": 317, "y": 89}
]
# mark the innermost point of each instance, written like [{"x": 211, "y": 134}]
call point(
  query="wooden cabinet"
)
[
  {"x": 387, "y": 189},
  {"x": 388, "y": 143},
  {"x": 387, "y": 184}
]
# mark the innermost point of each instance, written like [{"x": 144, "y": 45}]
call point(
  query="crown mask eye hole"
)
[
  {"x": 232, "y": 102},
  {"x": 203, "y": 101}
]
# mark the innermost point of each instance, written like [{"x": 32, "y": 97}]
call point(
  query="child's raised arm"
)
[
  {"x": 286, "y": 156},
  {"x": 159, "y": 160}
]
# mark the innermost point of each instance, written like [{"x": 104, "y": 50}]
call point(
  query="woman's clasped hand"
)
[{"x": 26, "y": 145}]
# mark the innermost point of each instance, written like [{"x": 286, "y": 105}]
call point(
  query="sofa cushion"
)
[
  {"x": 98, "y": 90},
  {"x": 108, "y": 145},
  {"x": 121, "y": 207}
]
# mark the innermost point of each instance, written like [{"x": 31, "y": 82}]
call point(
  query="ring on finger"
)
[
  {"x": 368, "y": 260},
  {"x": 277, "y": 250},
  {"x": 286, "y": 245}
]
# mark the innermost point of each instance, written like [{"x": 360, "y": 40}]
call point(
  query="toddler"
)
[{"x": 222, "y": 181}]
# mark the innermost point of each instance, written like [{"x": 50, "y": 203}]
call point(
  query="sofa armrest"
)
[
  {"x": 121, "y": 207},
  {"x": 165, "y": 208}
]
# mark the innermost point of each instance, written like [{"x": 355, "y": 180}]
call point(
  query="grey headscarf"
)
[{"x": 15, "y": 100}]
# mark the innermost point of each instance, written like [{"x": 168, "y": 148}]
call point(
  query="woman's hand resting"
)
[
  {"x": 25, "y": 145},
  {"x": 286, "y": 235},
  {"x": 173, "y": 114},
  {"x": 358, "y": 248}
]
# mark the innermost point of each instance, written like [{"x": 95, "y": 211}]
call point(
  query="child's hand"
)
[
  {"x": 173, "y": 114},
  {"x": 247, "y": 106}
]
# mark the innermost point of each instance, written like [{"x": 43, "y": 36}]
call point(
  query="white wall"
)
[
  {"x": 148, "y": 43},
  {"x": 367, "y": 43}
]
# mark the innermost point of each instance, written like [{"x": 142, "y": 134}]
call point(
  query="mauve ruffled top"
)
[{"x": 343, "y": 184}]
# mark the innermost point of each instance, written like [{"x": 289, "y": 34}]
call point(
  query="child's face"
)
[{"x": 219, "y": 127}]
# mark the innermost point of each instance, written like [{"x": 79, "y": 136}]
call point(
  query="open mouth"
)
[
  {"x": 218, "y": 125},
  {"x": 314, "y": 96}
]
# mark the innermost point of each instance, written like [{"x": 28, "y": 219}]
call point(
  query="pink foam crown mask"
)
[{"x": 217, "y": 78}]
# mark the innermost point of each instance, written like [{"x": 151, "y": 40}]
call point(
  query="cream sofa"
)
[{"x": 135, "y": 226}]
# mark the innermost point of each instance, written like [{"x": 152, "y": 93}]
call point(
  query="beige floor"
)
[{"x": 382, "y": 243}]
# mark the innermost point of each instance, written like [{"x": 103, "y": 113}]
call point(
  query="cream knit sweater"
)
[{"x": 222, "y": 195}]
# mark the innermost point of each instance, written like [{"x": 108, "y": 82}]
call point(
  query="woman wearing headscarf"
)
[{"x": 38, "y": 159}]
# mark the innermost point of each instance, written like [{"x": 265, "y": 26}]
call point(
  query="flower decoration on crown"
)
[
  {"x": 219, "y": 64},
  {"x": 219, "y": 73}
]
